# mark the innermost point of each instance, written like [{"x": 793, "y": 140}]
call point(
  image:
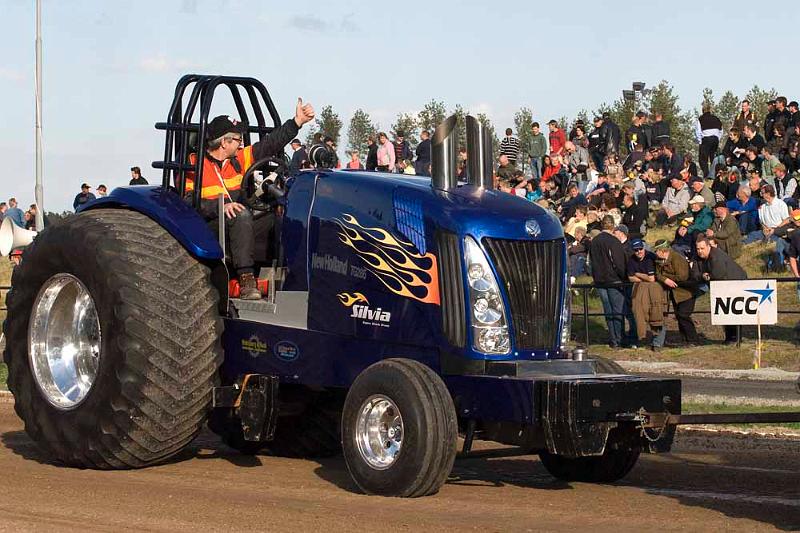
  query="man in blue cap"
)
[{"x": 648, "y": 296}]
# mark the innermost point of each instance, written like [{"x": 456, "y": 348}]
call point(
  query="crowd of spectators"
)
[
  {"x": 23, "y": 219},
  {"x": 741, "y": 191}
]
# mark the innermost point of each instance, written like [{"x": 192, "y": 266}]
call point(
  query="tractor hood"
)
[
  {"x": 481, "y": 212},
  {"x": 462, "y": 209}
]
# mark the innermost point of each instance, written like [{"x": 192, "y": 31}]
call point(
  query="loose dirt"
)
[{"x": 210, "y": 487}]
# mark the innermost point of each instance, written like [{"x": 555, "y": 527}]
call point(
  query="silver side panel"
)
[{"x": 290, "y": 309}]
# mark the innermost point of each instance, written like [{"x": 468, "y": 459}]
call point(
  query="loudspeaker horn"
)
[{"x": 12, "y": 236}]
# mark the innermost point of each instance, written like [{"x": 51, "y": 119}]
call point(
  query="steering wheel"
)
[{"x": 262, "y": 192}]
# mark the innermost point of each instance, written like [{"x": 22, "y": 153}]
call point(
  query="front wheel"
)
[{"x": 399, "y": 430}]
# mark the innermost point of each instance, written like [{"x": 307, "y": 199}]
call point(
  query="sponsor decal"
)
[
  {"x": 744, "y": 302},
  {"x": 397, "y": 263},
  {"x": 360, "y": 309},
  {"x": 286, "y": 351},
  {"x": 254, "y": 346},
  {"x": 336, "y": 265},
  {"x": 348, "y": 300}
]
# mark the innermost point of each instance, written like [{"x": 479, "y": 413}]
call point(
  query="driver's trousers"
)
[{"x": 247, "y": 239}]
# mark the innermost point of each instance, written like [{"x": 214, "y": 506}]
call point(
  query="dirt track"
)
[{"x": 210, "y": 487}]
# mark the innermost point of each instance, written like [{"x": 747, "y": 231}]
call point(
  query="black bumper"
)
[{"x": 566, "y": 402}]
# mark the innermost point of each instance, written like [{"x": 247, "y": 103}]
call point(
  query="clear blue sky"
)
[{"x": 110, "y": 66}]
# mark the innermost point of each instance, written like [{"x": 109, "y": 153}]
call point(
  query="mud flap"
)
[
  {"x": 254, "y": 403},
  {"x": 578, "y": 413}
]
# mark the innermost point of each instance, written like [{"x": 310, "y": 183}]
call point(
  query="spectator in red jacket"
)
[{"x": 557, "y": 138}]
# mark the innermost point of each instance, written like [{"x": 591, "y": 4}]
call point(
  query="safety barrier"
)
[{"x": 586, "y": 287}]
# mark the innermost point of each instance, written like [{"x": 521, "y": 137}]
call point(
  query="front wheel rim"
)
[
  {"x": 379, "y": 432},
  {"x": 64, "y": 341}
]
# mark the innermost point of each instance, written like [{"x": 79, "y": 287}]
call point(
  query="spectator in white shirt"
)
[{"x": 773, "y": 214}]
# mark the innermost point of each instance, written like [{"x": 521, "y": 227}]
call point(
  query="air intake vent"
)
[
  {"x": 408, "y": 218},
  {"x": 452, "y": 287},
  {"x": 531, "y": 272}
]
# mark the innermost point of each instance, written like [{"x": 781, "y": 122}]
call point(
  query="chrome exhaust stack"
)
[
  {"x": 479, "y": 154},
  {"x": 444, "y": 155}
]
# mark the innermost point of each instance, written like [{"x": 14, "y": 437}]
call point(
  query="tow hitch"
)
[{"x": 647, "y": 420}]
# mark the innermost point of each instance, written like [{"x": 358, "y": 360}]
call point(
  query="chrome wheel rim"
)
[
  {"x": 64, "y": 341},
  {"x": 379, "y": 432}
]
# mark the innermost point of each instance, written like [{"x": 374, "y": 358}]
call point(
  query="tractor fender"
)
[{"x": 166, "y": 208}]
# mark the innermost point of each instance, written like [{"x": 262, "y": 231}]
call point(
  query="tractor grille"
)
[
  {"x": 452, "y": 288},
  {"x": 531, "y": 272}
]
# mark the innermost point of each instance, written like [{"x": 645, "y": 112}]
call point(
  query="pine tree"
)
[
  {"x": 361, "y": 127},
  {"x": 708, "y": 98},
  {"x": 329, "y": 123},
  {"x": 406, "y": 123},
  {"x": 311, "y": 129},
  {"x": 432, "y": 114},
  {"x": 727, "y": 109},
  {"x": 662, "y": 99},
  {"x": 522, "y": 121},
  {"x": 758, "y": 99},
  {"x": 487, "y": 124},
  {"x": 461, "y": 126}
]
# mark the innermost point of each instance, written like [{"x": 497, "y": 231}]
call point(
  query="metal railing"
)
[
  {"x": 586, "y": 287},
  {"x": 3, "y": 292}
]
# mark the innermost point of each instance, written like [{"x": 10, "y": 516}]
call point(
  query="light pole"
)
[
  {"x": 39, "y": 191},
  {"x": 635, "y": 94}
]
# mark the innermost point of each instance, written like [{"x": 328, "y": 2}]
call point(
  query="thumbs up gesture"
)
[{"x": 303, "y": 113}]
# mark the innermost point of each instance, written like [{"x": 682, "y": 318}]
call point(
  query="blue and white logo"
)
[
  {"x": 765, "y": 294},
  {"x": 533, "y": 228},
  {"x": 286, "y": 351}
]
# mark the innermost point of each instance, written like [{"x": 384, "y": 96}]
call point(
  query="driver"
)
[{"x": 224, "y": 164}]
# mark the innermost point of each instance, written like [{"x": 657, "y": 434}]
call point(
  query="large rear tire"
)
[
  {"x": 157, "y": 342},
  {"x": 619, "y": 457},
  {"x": 399, "y": 429}
]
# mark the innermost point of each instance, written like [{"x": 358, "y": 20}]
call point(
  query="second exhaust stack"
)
[{"x": 479, "y": 154}]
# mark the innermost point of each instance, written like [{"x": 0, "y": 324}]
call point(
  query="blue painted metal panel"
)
[
  {"x": 166, "y": 208},
  {"x": 321, "y": 359},
  {"x": 407, "y": 209}
]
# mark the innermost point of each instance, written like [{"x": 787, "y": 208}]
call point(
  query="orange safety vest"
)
[{"x": 223, "y": 180}]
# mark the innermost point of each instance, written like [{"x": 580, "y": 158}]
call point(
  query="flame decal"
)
[
  {"x": 349, "y": 299},
  {"x": 395, "y": 262}
]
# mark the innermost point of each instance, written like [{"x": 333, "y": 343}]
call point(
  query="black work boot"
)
[{"x": 248, "y": 289}]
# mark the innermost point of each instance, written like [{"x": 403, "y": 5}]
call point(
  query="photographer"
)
[{"x": 323, "y": 154}]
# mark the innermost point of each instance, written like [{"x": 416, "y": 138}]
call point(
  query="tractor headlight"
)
[
  {"x": 489, "y": 325},
  {"x": 566, "y": 321}
]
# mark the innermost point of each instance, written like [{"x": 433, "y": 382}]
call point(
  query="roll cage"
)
[{"x": 184, "y": 137}]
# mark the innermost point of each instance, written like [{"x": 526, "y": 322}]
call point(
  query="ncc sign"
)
[{"x": 744, "y": 302}]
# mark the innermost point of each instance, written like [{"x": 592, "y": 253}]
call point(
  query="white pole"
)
[{"x": 39, "y": 191}]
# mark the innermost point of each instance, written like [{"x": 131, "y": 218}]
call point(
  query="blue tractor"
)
[{"x": 401, "y": 313}]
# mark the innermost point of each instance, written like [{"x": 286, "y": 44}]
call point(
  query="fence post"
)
[{"x": 585, "y": 316}]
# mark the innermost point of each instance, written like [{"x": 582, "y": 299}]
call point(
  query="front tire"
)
[
  {"x": 157, "y": 345},
  {"x": 399, "y": 430}
]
